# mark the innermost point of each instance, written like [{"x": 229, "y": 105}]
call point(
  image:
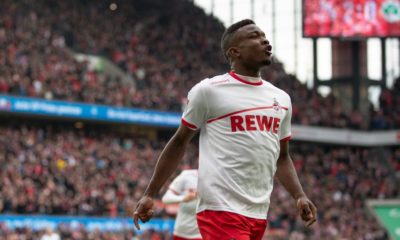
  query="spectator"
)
[
  {"x": 50, "y": 235},
  {"x": 43, "y": 169},
  {"x": 153, "y": 44}
]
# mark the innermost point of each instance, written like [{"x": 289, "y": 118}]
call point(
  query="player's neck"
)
[{"x": 246, "y": 72}]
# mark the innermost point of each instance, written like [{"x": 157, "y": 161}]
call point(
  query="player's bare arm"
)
[
  {"x": 167, "y": 163},
  {"x": 286, "y": 173}
]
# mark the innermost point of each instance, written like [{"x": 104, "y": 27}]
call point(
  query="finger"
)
[
  {"x": 136, "y": 220},
  {"x": 310, "y": 222},
  {"x": 145, "y": 217},
  {"x": 306, "y": 209},
  {"x": 312, "y": 214},
  {"x": 150, "y": 213},
  {"x": 314, "y": 210}
]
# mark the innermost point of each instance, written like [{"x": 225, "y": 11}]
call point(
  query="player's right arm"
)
[
  {"x": 193, "y": 117},
  {"x": 166, "y": 165}
]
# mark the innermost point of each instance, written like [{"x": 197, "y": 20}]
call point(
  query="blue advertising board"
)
[
  {"x": 63, "y": 109},
  {"x": 38, "y": 222}
]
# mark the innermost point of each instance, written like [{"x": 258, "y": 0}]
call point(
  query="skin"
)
[{"x": 249, "y": 51}]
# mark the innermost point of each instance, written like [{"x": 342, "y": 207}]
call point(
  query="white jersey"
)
[
  {"x": 185, "y": 223},
  {"x": 241, "y": 125}
]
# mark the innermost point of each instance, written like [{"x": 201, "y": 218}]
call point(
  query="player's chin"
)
[{"x": 267, "y": 62}]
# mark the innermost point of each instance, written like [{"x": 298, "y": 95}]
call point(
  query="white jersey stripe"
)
[{"x": 242, "y": 111}]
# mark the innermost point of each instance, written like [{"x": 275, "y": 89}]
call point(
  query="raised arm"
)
[
  {"x": 167, "y": 163},
  {"x": 286, "y": 174}
]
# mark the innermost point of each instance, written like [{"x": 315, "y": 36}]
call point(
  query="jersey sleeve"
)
[
  {"x": 195, "y": 112},
  {"x": 175, "y": 192},
  {"x": 177, "y": 185},
  {"x": 285, "y": 132},
  {"x": 171, "y": 197}
]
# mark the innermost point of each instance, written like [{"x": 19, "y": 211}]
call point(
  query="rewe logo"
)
[{"x": 255, "y": 123}]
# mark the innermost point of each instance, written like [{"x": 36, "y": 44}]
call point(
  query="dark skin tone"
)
[{"x": 249, "y": 51}]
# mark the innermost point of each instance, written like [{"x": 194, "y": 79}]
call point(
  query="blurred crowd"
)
[
  {"x": 339, "y": 180},
  {"x": 388, "y": 116},
  {"x": 66, "y": 233},
  {"x": 164, "y": 47},
  {"x": 310, "y": 108},
  {"x": 43, "y": 169},
  {"x": 35, "y": 62},
  {"x": 151, "y": 40}
]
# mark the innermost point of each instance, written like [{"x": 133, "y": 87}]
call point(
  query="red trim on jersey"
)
[
  {"x": 174, "y": 191},
  {"x": 286, "y": 139},
  {"x": 189, "y": 125},
  {"x": 233, "y": 74},
  {"x": 241, "y": 111}
]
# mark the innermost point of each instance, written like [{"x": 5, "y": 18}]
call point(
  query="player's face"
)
[{"x": 253, "y": 47}]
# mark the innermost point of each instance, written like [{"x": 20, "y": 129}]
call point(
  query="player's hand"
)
[
  {"x": 307, "y": 210},
  {"x": 190, "y": 196},
  {"x": 143, "y": 211}
]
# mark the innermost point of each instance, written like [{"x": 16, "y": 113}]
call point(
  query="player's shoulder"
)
[
  {"x": 215, "y": 80},
  {"x": 207, "y": 84},
  {"x": 277, "y": 90}
]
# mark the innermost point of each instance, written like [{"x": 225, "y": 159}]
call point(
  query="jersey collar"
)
[{"x": 235, "y": 76}]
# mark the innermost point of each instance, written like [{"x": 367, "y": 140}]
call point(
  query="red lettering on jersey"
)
[
  {"x": 250, "y": 123},
  {"x": 254, "y": 123},
  {"x": 236, "y": 123},
  {"x": 264, "y": 122},
  {"x": 276, "y": 125}
]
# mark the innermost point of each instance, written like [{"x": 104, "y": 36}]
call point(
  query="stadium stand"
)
[
  {"x": 340, "y": 179},
  {"x": 164, "y": 55},
  {"x": 65, "y": 233},
  {"x": 43, "y": 166},
  {"x": 44, "y": 169}
]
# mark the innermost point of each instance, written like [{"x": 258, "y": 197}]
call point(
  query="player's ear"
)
[{"x": 233, "y": 53}]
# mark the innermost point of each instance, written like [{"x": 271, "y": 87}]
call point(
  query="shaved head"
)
[{"x": 227, "y": 36}]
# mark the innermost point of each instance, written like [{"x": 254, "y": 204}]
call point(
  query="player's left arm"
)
[{"x": 286, "y": 174}]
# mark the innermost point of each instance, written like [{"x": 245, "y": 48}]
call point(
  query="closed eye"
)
[
  {"x": 256, "y": 34},
  {"x": 253, "y": 35}
]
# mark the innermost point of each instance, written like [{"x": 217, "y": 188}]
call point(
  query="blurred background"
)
[{"x": 91, "y": 90}]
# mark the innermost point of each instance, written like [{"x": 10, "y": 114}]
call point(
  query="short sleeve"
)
[
  {"x": 195, "y": 112},
  {"x": 285, "y": 126},
  {"x": 177, "y": 185}
]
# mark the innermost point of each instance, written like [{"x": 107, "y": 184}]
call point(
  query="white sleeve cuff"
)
[{"x": 171, "y": 197}]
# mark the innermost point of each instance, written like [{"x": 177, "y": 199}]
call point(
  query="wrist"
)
[
  {"x": 299, "y": 196},
  {"x": 150, "y": 194}
]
